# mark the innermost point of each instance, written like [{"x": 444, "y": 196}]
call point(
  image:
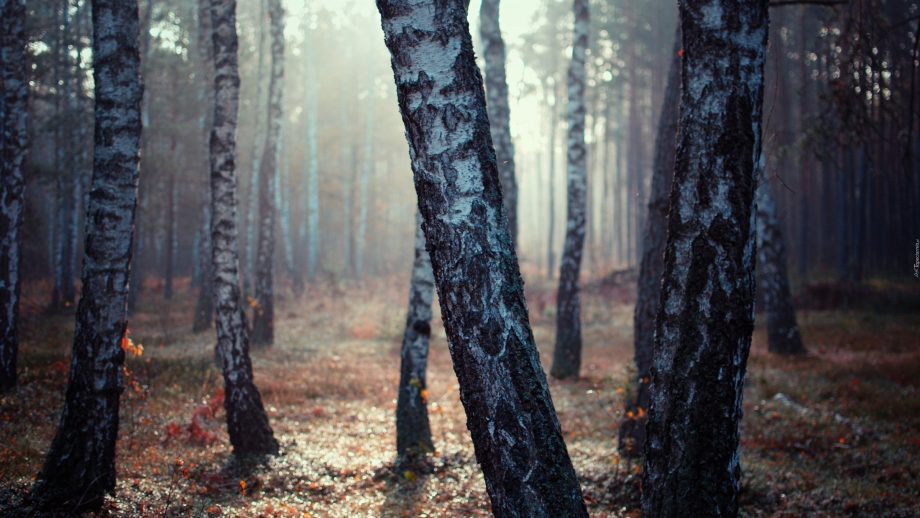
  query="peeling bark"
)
[
  {"x": 247, "y": 423},
  {"x": 783, "y": 335},
  {"x": 493, "y": 50},
  {"x": 80, "y": 467},
  {"x": 705, "y": 311},
  {"x": 14, "y": 135},
  {"x": 567, "y": 353},
  {"x": 413, "y": 432},
  {"x": 510, "y": 414},
  {"x": 263, "y": 321},
  {"x": 632, "y": 428}
]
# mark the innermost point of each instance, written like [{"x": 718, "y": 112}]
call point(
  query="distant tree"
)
[
  {"x": 14, "y": 112},
  {"x": 493, "y": 50},
  {"x": 80, "y": 467},
  {"x": 311, "y": 167},
  {"x": 413, "y": 432},
  {"x": 258, "y": 152},
  {"x": 363, "y": 195},
  {"x": 706, "y": 305},
  {"x": 510, "y": 414},
  {"x": 567, "y": 354},
  {"x": 783, "y": 335},
  {"x": 263, "y": 332},
  {"x": 632, "y": 428},
  {"x": 247, "y": 423},
  {"x": 204, "y": 307}
]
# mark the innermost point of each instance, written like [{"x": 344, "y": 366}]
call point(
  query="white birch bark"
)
[
  {"x": 503, "y": 389},
  {"x": 80, "y": 467},
  {"x": 706, "y": 306},
  {"x": 14, "y": 113},
  {"x": 567, "y": 353},
  {"x": 247, "y": 423}
]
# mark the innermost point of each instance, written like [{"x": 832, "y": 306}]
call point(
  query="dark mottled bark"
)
[
  {"x": 204, "y": 306},
  {"x": 567, "y": 354},
  {"x": 263, "y": 321},
  {"x": 632, "y": 427},
  {"x": 503, "y": 389},
  {"x": 493, "y": 50},
  {"x": 247, "y": 423},
  {"x": 80, "y": 467},
  {"x": 14, "y": 112},
  {"x": 782, "y": 328},
  {"x": 705, "y": 311},
  {"x": 413, "y": 433}
]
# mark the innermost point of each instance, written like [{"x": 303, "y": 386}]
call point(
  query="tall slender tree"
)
[
  {"x": 263, "y": 332},
  {"x": 632, "y": 428},
  {"x": 567, "y": 354},
  {"x": 783, "y": 335},
  {"x": 363, "y": 196},
  {"x": 413, "y": 432},
  {"x": 258, "y": 152},
  {"x": 204, "y": 307},
  {"x": 493, "y": 50},
  {"x": 706, "y": 305},
  {"x": 14, "y": 112},
  {"x": 247, "y": 422},
  {"x": 510, "y": 414},
  {"x": 80, "y": 467},
  {"x": 312, "y": 163}
]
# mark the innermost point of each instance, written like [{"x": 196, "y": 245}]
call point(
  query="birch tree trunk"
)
[
  {"x": 705, "y": 311},
  {"x": 510, "y": 414},
  {"x": 263, "y": 332},
  {"x": 783, "y": 335},
  {"x": 551, "y": 156},
  {"x": 80, "y": 466},
  {"x": 493, "y": 50},
  {"x": 567, "y": 353},
  {"x": 67, "y": 171},
  {"x": 204, "y": 307},
  {"x": 14, "y": 135},
  {"x": 247, "y": 423},
  {"x": 632, "y": 427},
  {"x": 413, "y": 432}
]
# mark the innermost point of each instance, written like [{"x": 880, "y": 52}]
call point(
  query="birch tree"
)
[
  {"x": 783, "y": 335},
  {"x": 204, "y": 307},
  {"x": 14, "y": 112},
  {"x": 705, "y": 310},
  {"x": 363, "y": 198},
  {"x": 247, "y": 422},
  {"x": 493, "y": 50},
  {"x": 567, "y": 353},
  {"x": 510, "y": 414},
  {"x": 264, "y": 317},
  {"x": 80, "y": 467},
  {"x": 632, "y": 428},
  {"x": 413, "y": 431}
]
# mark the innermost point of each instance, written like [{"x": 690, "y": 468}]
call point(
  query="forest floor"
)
[{"x": 836, "y": 433}]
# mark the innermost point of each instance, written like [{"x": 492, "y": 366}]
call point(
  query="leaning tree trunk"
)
[
  {"x": 782, "y": 329},
  {"x": 14, "y": 112},
  {"x": 706, "y": 305},
  {"x": 247, "y": 423},
  {"x": 493, "y": 49},
  {"x": 632, "y": 427},
  {"x": 413, "y": 432},
  {"x": 263, "y": 320},
  {"x": 510, "y": 414},
  {"x": 567, "y": 354},
  {"x": 80, "y": 467},
  {"x": 204, "y": 307}
]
